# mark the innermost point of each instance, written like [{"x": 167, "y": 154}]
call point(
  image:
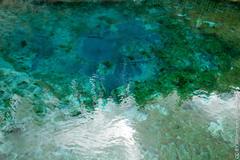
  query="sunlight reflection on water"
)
[{"x": 121, "y": 132}]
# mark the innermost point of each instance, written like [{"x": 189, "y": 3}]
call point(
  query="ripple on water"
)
[{"x": 121, "y": 132}]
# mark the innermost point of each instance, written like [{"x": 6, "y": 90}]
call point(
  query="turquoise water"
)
[{"x": 123, "y": 80}]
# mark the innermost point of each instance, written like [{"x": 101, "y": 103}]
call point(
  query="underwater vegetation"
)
[{"x": 153, "y": 47}]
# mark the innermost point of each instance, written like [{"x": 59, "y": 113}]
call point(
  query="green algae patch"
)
[{"x": 186, "y": 56}]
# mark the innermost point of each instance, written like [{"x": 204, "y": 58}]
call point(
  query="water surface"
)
[{"x": 124, "y": 81}]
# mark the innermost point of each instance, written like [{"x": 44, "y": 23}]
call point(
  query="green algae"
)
[{"x": 190, "y": 59}]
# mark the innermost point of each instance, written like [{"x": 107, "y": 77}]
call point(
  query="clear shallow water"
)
[{"x": 118, "y": 81}]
